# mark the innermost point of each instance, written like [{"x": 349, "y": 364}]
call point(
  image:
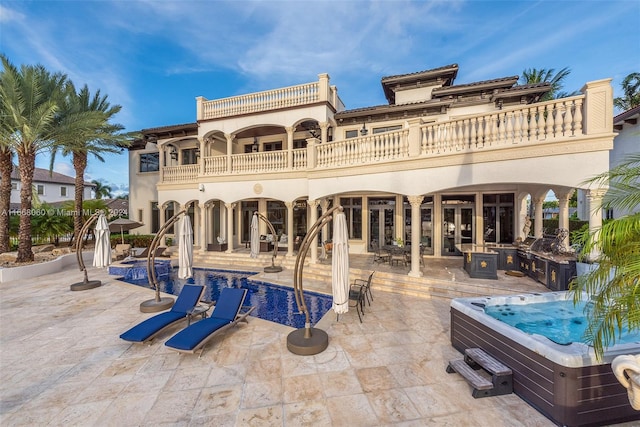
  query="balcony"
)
[{"x": 558, "y": 121}]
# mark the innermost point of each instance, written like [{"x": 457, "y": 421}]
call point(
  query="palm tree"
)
[
  {"x": 631, "y": 88},
  {"x": 6, "y": 167},
  {"x": 98, "y": 136},
  {"x": 29, "y": 108},
  {"x": 101, "y": 190},
  {"x": 615, "y": 297},
  {"x": 542, "y": 75}
]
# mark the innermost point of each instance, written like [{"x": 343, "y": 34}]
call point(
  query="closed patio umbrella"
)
[
  {"x": 122, "y": 225},
  {"x": 254, "y": 237},
  {"x": 185, "y": 249},
  {"x": 340, "y": 264},
  {"x": 102, "y": 249}
]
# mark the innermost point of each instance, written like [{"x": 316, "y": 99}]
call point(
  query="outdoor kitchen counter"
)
[{"x": 480, "y": 262}]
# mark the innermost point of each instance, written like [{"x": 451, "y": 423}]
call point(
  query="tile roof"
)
[
  {"x": 626, "y": 115},
  {"x": 43, "y": 175}
]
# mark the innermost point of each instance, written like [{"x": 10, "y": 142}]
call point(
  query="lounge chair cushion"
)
[
  {"x": 187, "y": 300},
  {"x": 224, "y": 314},
  {"x": 145, "y": 329}
]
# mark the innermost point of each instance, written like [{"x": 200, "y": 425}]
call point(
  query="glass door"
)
[
  {"x": 381, "y": 221},
  {"x": 457, "y": 226}
]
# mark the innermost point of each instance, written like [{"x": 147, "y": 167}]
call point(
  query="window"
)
[
  {"x": 149, "y": 162},
  {"x": 300, "y": 143},
  {"x": 40, "y": 189},
  {"x": 387, "y": 129},
  {"x": 351, "y": 134},
  {"x": 353, "y": 211},
  {"x": 190, "y": 156},
  {"x": 273, "y": 146},
  {"x": 155, "y": 217},
  {"x": 63, "y": 191},
  {"x": 14, "y": 185}
]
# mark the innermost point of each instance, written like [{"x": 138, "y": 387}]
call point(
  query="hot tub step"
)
[{"x": 475, "y": 369}]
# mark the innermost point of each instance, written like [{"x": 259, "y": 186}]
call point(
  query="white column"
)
[
  {"x": 289, "y": 130},
  {"x": 437, "y": 225},
  {"x": 416, "y": 202},
  {"x": 479, "y": 216},
  {"x": 229, "y": 152},
  {"x": 202, "y": 217},
  {"x": 538, "y": 232},
  {"x": 563, "y": 215},
  {"x": 230, "y": 242},
  {"x": 290, "y": 235},
  {"x": 324, "y": 126},
  {"x": 161, "y": 161},
  {"x": 312, "y": 205},
  {"x": 324, "y": 204},
  {"x": 595, "y": 219}
]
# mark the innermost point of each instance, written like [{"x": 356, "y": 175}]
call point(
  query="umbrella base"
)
[
  {"x": 298, "y": 344},
  {"x": 152, "y": 306},
  {"x": 83, "y": 286},
  {"x": 273, "y": 269}
]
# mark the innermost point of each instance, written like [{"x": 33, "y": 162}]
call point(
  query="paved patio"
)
[{"x": 62, "y": 363}]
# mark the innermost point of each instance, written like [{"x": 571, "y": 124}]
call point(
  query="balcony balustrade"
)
[{"x": 559, "y": 120}]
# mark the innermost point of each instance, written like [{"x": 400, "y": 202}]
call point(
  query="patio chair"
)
[
  {"x": 142, "y": 254},
  {"x": 378, "y": 255},
  {"x": 227, "y": 312},
  {"x": 367, "y": 286},
  {"x": 121, "y": 251},
  {"x": 147, "y": 330},
  {"x": 356, "y": 300}
]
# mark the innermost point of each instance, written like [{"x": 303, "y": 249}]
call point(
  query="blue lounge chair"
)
[
  {"x": 145, "y": 331},
  {"x": 227, "y": 312}
]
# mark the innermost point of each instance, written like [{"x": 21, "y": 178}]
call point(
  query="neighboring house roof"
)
[
  {"x": 628, "y": 117},
  {"x": 43, "y": 175}
]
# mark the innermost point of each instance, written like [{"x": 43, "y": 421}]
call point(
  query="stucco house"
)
[
  {"x": 440, "y": 163},
  {"x": 50, "y": 187}
]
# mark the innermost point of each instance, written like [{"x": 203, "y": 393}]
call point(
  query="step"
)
[
  {"x": 488, "y": 363},
  {"x": 473, "y": 377}
]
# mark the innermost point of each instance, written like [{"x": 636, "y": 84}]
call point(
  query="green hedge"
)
[{"x": 136, "y": 240}]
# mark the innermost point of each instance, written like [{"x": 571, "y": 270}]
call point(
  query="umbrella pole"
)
[
  {"x": 86, "y": 283},
  {"x": 308, "y": 341}
]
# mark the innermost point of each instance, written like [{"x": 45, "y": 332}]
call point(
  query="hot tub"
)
[{"x": 564, "y": 382}]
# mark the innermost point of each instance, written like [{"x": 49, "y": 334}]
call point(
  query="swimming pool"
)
[
  {"x": 564, "y": 382},
  {"x": 272, "y": 302}
]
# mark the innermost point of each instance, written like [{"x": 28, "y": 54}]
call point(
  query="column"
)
[
  {"x": 161, "y": 161},
  {"x": 563, "y": 215},
  {"x": 416, "y": 202},
  {"x": 324, "y": 126},
  {"x": 230, "y": 242},
  {"x": 289, "y": 130},
  {"x": 538, "y": 227},
  {"x": 312, "y": 205},
  {"x": 290, "y": 235},
  {"x": 479, "y": 217},
  {"x": 229, "y": 137},
  {"x": 437, "y": 225},
  {"x": 595, "y": 219},
  {"x": 202, "y": 232},
  {"x": 522, "y": 215},
  {"x": 201, "y": 156}
]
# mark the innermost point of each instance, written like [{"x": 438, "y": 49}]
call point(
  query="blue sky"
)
[{"x": 155, "y": 57}]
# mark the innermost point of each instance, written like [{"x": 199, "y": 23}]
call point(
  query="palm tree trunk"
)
[
  {"x": 26, "y": 165},
  {"x": 79, "y": 165},
  {"x": 6, "y": 166}
]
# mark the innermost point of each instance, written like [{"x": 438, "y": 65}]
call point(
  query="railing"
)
[
  {"x": 215, "y": 165},
  {"x": 261, "y": 101},
  {"x": 182, "y": 173},
  {"x": 551, "y": 120},
  {"x": 363, "y": 150},
  {"x": 269, "y": 161}
]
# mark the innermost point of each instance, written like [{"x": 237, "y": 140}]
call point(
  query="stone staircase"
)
[{"x": 438, "y": 281}]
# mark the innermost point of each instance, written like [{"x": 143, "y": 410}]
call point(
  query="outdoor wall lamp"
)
[
  {"x": 255, "y": 145},
  {"x": 363, "y": 131},
  {"x": 173, "y": 153}
]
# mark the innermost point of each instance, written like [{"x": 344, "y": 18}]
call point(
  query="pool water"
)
[
  {"x": 272, "y": 302},
  {"x": 560, "y": 321}
]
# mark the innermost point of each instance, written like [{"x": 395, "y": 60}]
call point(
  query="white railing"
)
[
  {"x": 268, "y": 161},
  {"x": 374, "y": 148},
  {"x": 553, "y": 120},
  {"x": 261, "y": 101},
  {"x": 184, "y": 173},
  {"x": 215, "y": 165},
  {"x": 299, "y": 159}
]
